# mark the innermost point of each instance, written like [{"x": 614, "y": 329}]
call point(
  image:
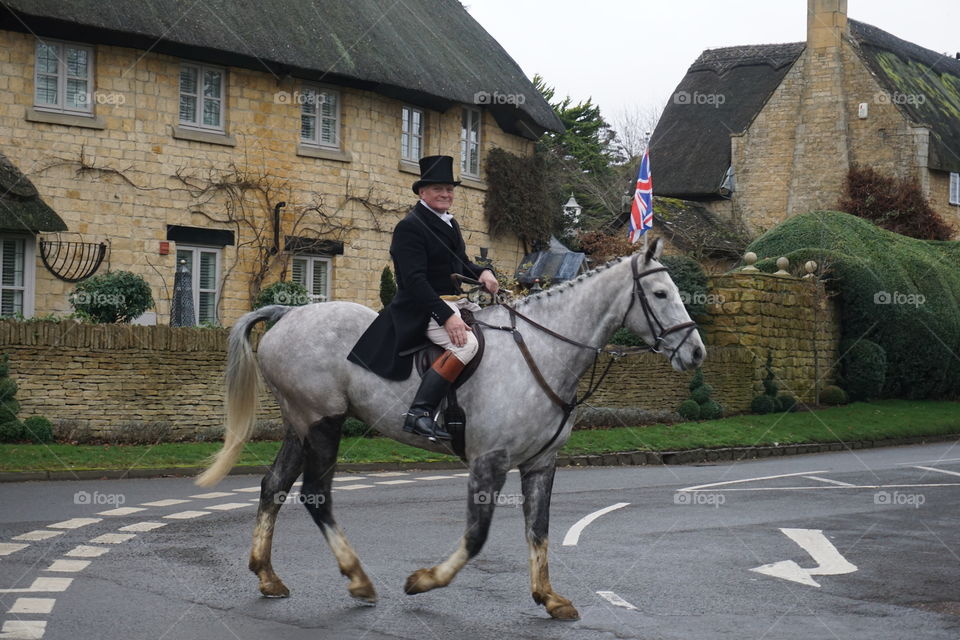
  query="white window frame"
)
[
  {"x": 308, "y": 273},
  {"x": 61, "y": 75},
  {"x": 409, "y": 134},
  {"x": 954, "y": 197},
  {"x": 468, "y": 118},
  {"x": 195, "y": 278},
  {"x": 304, "y": 100},
  {"x": 197, "y": 123},
  {"x": 27, "y": 305}
]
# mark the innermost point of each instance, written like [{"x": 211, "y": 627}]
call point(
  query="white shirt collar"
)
[{"x": 446, "y": 217}]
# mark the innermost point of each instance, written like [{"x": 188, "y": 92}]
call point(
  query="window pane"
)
[
  {"x": 46, "y": 90},
  {"x": 47, "y": 57},
  {"x": 188, "y": 109},
  {"x": 11, "y": 263},
  {"x": 328, "y": 131},
  {"x": 185, "y": 254},
  {"x": 299, "y": 271},
  {"x": 308, "y": 128},
  {"x": 320, "y": 279},
  {"x": 211, "y": 113},
  {"x": 211, "y": 83},
  {"x": 11, "y": 302},
  {"x": 308, "y": 101},
  {"x": 328, "y": 103},
  {"x": 188, "y": 80},
  {"x": 405, "y": 120},
  {"x": 415, "y": 149},
  {"x": 77, "y": 62},
  {"x": 207, "y": 309},
  {"x": 77, "y": 96},
  {"x": 208, "y": 270}
]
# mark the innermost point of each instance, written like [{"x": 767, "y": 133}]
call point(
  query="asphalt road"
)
[{"x": 674, "y": 559}]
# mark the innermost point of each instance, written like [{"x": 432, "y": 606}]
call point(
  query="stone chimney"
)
[{"x": 826, "y": 23}]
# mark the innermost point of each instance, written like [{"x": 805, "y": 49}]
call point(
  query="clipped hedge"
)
[
  {"x": 864, "y": 369},
  {"x": 900, "y": 293}
]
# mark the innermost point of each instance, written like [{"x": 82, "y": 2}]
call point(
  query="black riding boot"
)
[{"x": 434, "y": 386}]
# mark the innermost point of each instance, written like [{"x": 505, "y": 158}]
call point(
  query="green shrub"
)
[
  {"x": 117, "y": 296},
  {"x": 353, "y": 428},
  {"x": 702, "y": 393},
  {"x": 4, "y": 365},
  {"x": 11, "y": 431},
  {"x": 291, "y": 294},
  {"x": 833, "y": 395},
  {"x": 763, "y": 404},
  {"x": 388, "y": 286},
  {"x": 786, "y": 402},
  {"x": 8, "y": 388},
  {"x": 711, "y": 410},
  {"x": 696, "y": 380},
  {"x": 689, "y": 409},
  {"x": 691, "y": 280},
  {"x": 623, "y": 337},
  {"x": 867, "y": 266},
  {"x": 864, "y": 368},
  {"x": 9, "y": 409},
  {"x": 38, "y": 429}
]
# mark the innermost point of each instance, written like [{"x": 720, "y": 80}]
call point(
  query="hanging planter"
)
[{"x": 72, "y": 261}]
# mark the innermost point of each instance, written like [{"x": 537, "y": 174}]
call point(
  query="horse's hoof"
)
[
  {"x": 365, "y": 593},
  {"x": 419, "y": 581},
  {"x": 564, "y": 612},
  {"x": 274, "y": 590}
]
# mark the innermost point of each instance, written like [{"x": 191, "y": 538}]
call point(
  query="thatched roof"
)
[
  {"x": 924, "y": 84},
  {"x": 428, "y": 52},
  {"x": 721, "y": 94},
  {"x": 21, "y": 208}
]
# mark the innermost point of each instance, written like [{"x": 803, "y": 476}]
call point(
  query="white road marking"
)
[
  {"x": 169, "y": 502},
  {"x": 39, "y": 534},
  {"x": 32, "y": 605},
  {"x": 462, "y": 475},
  {"x": 228, "y": 506},
  {"x": 829, "y": 481},
  {"x": 121, "y": 511},
  {"x": 388, "y": 474},
  {"x": 86, "y": 551},
  {"x": 852, "y": 486},
  {"x": 436, "y": 478},
  {"x": 143, "y": 526},
  {"x": 68, "y": 566},
  {"x": 6, "y": 548},
  {"x": 113, "y": 538},
  {"x": 829, "y": 561},
  {"x": 573, "y": 534},
  {"x": 349, "y": 478},
  {"x": 43, "y": 585},
  {"x": 350, "y": 487},
  {"x": 952, "y": 473},
  {"x": 393, "y": 482},
  {"x": 249, "y": 489},
  {"x": 615, "y": 600},
  {"x": 23, "y": 629},
  {"x": 73, "y": 523},
  {"x": 213, "y": 494},
  {"x": 937, "y": 461},
  {"x": 187, "y": 515},
  {"x": 720, "y": 484}
]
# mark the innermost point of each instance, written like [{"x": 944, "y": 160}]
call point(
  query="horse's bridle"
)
[{"x": 657, "y": 330}]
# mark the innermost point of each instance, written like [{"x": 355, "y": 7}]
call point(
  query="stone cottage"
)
[
  {"x": 759, "y": 133},
  {"x": 252, "y": 141}
]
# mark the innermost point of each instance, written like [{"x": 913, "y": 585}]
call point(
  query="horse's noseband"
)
[{"x": 657, "y": 329}]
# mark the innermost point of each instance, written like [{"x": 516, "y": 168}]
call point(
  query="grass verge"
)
[{"x": 859, "y": 421}]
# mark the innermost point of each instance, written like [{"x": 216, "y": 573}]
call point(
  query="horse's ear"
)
[{"x": 654, "y": 251}]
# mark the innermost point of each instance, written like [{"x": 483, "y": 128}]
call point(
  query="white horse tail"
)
[{"x": 241, "y": 398}]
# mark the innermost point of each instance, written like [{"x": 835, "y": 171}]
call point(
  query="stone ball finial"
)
[
  {"x": 782, "y": 264},
  {"x": 810, "y": 268},
  {"x": 750, "y": 259}
]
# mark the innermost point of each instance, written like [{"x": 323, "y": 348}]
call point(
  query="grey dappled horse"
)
[{"x": 511, "y": 420}]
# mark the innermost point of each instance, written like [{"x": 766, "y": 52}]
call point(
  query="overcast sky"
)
[{"x": 624, "y": 53}]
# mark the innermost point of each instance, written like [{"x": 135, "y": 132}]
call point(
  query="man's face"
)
[{"x": 438, "y": 197}]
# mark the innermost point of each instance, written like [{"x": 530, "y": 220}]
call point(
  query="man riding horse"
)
[{"x": 427, "y": 248}]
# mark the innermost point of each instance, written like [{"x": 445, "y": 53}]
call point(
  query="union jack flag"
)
[{"x": 641, "y": 212}]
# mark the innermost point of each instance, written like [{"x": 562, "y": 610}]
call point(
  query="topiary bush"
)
[
  {"x": 689, "y": 409},
  {"x": 833, "y": 395},
  {"x": 864, "y": 366},
  {"x": 117, "y": 296},
  {"x": 699, "y": 405},
  {"x": 770, "y": 391},
  {"x": 786, "y": 402},
  {"x": 285, "y": 292},
  {"x": 763, "y": 404},
  {"x": 8, "y": 388},
  {"x": 388, "y": 286},
  {"x": 38, "y": 430},
  {"x": 900, "y": 293},
  {"x": 11, "y": 431},
  {"x": 711, "y": 410}
]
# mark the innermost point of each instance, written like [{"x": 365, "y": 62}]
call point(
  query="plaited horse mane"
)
[{"x": 512, "y": 421}]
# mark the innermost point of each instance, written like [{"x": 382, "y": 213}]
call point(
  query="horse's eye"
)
[{"x": 660, "y": 294}]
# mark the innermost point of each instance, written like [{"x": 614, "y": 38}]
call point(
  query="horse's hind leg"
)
[
  {"x": 273, "y": 489},
  {"x": 537, "y": 484},
  {"x": 487, "y": 475},
  {"x": 322, "y": 443}
]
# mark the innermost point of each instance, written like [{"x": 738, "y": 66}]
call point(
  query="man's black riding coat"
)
[{"x": 425, "y": 251}]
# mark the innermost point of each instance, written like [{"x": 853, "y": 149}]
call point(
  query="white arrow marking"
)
[
  {"x": 615, "y": 600},
  {"x": 828, "y": 559},
  {"x": 573, "y": 534}
]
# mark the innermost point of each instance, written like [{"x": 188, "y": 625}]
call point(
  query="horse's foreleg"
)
[
  {"x": 487, "y": 475},
  {"x": 274, "y": 486},
  {"x": 322, "y": 443},
  {"x": 537, "y": 486}
]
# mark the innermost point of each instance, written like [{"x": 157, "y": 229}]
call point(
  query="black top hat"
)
[{"x": 435, "y": 170}]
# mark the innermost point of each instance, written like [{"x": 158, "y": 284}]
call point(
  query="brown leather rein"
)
[{"x": 653, "y": 322}]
